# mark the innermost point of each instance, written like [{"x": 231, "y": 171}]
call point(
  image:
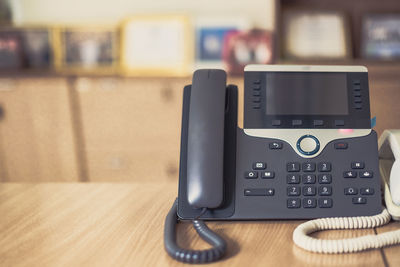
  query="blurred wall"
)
[{"x": 259, "y": 12}]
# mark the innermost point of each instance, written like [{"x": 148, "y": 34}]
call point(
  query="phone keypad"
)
[
  {"x": 309, "y": 184},
  {"x": 313, "y": 193}
]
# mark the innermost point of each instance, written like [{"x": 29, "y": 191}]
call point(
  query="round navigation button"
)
[{"x": 308, "y": 145}]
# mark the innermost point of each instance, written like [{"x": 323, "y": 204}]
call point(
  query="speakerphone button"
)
[
  {"x": 257, "y": 81},
  {"x": 356, "y": 82},
  {"x": 367, "y": 191}
]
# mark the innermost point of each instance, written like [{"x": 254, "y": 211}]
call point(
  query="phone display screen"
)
[{"x": 302, "y": 93}]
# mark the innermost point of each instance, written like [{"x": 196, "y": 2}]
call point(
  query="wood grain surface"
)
[
  {"x": 37, "y": 142},
  {"x": 122, "y": 225}
]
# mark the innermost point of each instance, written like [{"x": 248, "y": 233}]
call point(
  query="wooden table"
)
[{"x": 96, "y": 224}]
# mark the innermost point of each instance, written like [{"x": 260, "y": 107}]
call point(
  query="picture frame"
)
[
  {"x": 37, "y": 47},
  {"x": 210, "y": 37},
  {"x": 381, "y": 36},
  {"x": 11, "y": 49},
  {"x": 86, "y": 49},
  {"x": 255, "y": 46},
  {"x": 314, "y": 35},
  {"x": 156, "y": 45}
]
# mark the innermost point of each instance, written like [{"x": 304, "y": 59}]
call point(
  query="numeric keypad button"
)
[
  {"x": 324, "y": 167},
  {"x": 309, "y": 191},
  {"x": 308, "y": 178},
  {"x": 251, "y": 175},
  {"x": 309, "y": 203},
  {"x": 325, "y": 203},
  {"x": 324, "y": 178},
  {"x": 293, "y": 179},
  {"x": 325, "y": 191},
  {"x": 308, "y": 167},
  {"x": 293, "y": 203},
  {"x": 350, "y": 191},
  {"x": 293, "y": 190},
  {"x": 293, "y": 167},
  {"x": 349, "y": 174}
]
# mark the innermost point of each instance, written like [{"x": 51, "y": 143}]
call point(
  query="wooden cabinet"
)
[
  {"x": 131, "y": 127},
  {"x": 107, "y": 129},
  {"x": 36, "y": 134}
]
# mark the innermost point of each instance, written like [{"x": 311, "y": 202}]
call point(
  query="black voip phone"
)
[{"x": 306, "y": 150}]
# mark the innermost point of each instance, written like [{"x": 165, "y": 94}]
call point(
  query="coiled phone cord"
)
[
  {"x": 192, "y": 256},
  {"x": 302, "y": 239}
]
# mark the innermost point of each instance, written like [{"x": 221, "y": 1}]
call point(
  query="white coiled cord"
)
[{"x": 302, "y": 239}]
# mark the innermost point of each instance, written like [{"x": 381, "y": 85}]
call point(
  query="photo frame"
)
[
  {"x": 210, "y": 38},
  {"x": 156, "y": 46},
  {"x": 381, "y": 36},
  {"x": 37, "y": 47},
  {"x": 248, "y": 47},
  {"x": 313, "y": 35},
  {"x": 11, "y": 50},
  {"x": 87, "y": 49}
]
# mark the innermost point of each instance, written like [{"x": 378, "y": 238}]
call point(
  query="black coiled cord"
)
[{"x": 192, "y": 256}]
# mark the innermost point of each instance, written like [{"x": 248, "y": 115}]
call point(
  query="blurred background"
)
[{"x": 91, "y": 90}]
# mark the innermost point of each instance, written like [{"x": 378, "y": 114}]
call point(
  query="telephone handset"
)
[
  {"x": 306, "y": 150},
  {"x": 205, "y": 148}
]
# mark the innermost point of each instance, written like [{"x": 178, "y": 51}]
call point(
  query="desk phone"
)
[{"x": 306, "y": 150}]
